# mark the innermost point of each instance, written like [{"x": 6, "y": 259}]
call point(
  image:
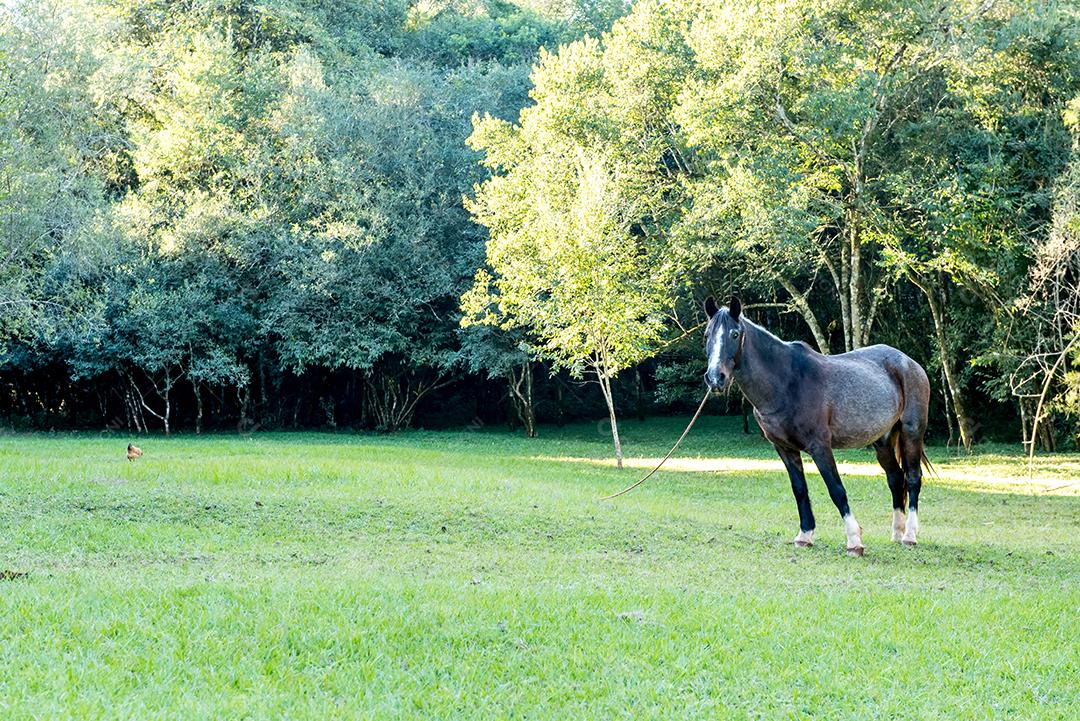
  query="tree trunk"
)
[
  {"x": 513, "y": 412},
  {"x": 799, "y": 299},
  {"x": 129, "y": 406},
  {"x": 521, "y": 397},
  {"x": 948, "y": 411},
  {"x": 198, "y": 407},
  {"x": 263, "y": 399},
  {"x": 243, "y": 397},
  {"x": 604, "y": 378},
  {"x": 393, "y": 395},
  {"x": 165, "y": 395},
  {"x": 614, "y": 428},
  {"x": 132, "y": 409},
  {"x": 1047, "y": 439},
  {"x": 530, "y": 409},
  {"x": 875, "y": 296},
  {"x": 845, "y": 292},
  {"x": 963, "y": 421},
  {"x": 1024, "y": 425},
  {"x": 855, "y": 288},
  {"x": 168, "y": 407}
]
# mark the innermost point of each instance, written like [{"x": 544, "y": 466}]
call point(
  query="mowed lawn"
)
[{"x": 475, "y": 575}]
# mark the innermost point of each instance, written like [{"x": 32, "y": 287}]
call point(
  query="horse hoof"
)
[
  {"x": 803, "y": 544},
  {"x": 855, "y": 551},
  {"x": 908, "y": 544}
]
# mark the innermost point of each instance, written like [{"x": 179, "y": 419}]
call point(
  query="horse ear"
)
[
  {"x": 734, "y": 307},
  {"x": 710, "y": 307}
]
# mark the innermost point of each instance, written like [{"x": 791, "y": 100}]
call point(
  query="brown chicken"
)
[{"x": 133, "y": 452}]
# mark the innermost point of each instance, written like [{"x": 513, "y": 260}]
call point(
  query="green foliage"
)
[
  {"x": 576, "y": 252},
  {"x": 828, "y": 151},
  {"x": 289, "y": 176},
  {"x": 373, "y": 268},
  {"x": 576, "y": 216},
  {"x": 55, "y": 146},
  {"x": 571, "y": 270},
  {"x": 1044, "y": 353},
  {"x": 200, "y": 184}
]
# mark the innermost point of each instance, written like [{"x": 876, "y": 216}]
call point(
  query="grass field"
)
[{"x": 442, "y": 575}]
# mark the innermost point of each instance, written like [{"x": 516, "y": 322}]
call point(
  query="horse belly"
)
[{"x": 863, "y": 408}]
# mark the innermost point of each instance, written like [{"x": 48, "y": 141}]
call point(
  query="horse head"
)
[{"x": 723, "y": 342}]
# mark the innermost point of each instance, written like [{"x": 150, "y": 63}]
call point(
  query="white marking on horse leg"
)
[
  {"x": 854, "y": 535},
  {"x": 912, "y": 528},
  {"x": 897, "y": 524},
  {"x": 804, "y": 539}
]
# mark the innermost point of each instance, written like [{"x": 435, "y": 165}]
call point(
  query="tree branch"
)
[
  {"x": 786, "y": 121},
  {"x": 801, "y": 303}
]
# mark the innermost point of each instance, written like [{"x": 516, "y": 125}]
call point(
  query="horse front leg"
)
[
  {"x": 823, "y": 458},
  {"x": 793, "y": 463}
]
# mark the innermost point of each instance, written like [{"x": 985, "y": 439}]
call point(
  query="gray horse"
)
[{"x": 806, "y": 401}]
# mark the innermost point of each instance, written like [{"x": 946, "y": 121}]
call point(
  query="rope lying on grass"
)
[{"x": 662, "y": 462}]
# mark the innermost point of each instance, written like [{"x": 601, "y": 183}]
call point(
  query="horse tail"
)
[{"x": 928, "y": 465}]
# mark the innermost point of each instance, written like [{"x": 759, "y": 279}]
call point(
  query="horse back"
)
[{"x": 867, "y": 391}]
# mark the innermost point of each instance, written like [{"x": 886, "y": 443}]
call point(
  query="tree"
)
[
  {"x": 876, "y": 142},
  {"x": 984, "y": 145},
  {"x": 251, "y": 204},
  {"x": 569, "y": 256},
  {"x": 370, "y": 274},
  {"x": 56, "y": 144},
  {"x": 321, "y": 178},
  {"x": 831, "y": 149},
  {"x": 1047, "y": 374},
  {"x": 297, "y": 166}
]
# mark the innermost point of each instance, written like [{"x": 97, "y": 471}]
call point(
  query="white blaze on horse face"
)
[{"x": 717, "y": 349}]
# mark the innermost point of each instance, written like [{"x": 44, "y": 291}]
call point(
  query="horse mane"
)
[
  {"x": 761, "y": 328},
  {"x": 791, "y": 343}
]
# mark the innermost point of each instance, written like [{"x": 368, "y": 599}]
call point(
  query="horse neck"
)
[{"x": 764, "y": 359}]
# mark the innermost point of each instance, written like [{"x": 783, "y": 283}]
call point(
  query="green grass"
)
[{"x": 475, "y": 575}]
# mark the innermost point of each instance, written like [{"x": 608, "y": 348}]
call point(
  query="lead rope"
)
[{"x": 649, "y": 475}]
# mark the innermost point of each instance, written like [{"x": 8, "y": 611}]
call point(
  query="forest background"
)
[{"x": 229, "y": 214}]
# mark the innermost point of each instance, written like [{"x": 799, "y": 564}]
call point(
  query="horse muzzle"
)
[{"x": 717, "y": 380}]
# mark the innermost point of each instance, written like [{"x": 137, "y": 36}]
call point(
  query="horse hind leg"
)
[
  {"x": 912, "y": 452},
  {"x": 888, "y": 456},
  {"x": 912, "y": 445}
]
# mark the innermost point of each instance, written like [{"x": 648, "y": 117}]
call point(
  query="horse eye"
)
[{"x": 735, "y": 333}]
